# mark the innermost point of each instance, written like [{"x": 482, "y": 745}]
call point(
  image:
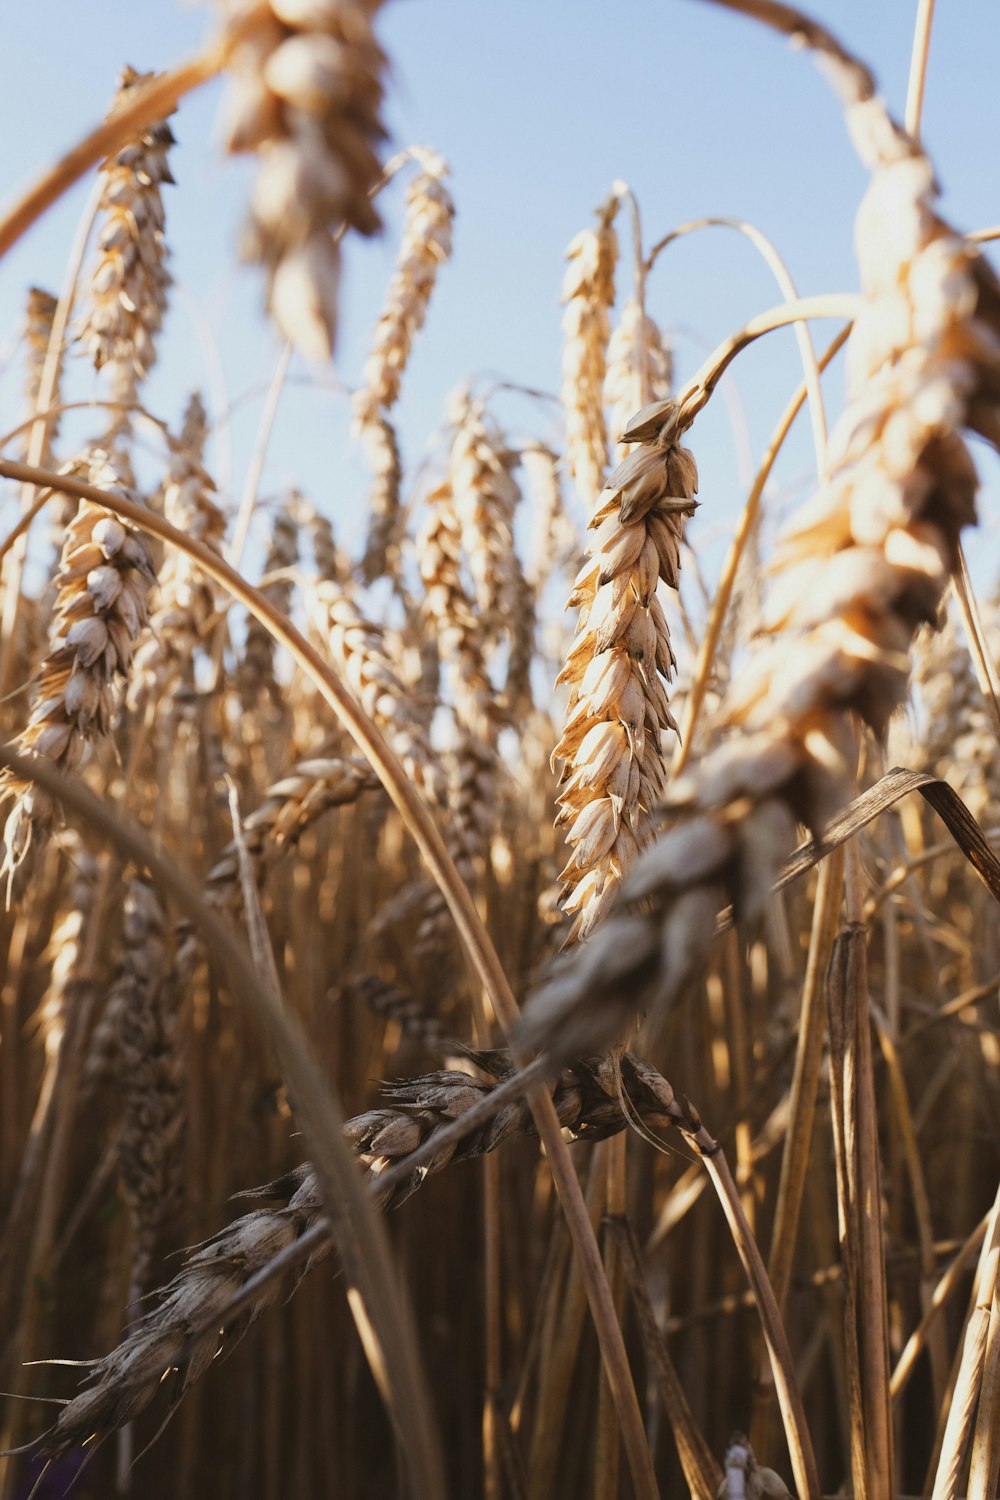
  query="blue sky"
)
[{"x": 538, "y": 107}]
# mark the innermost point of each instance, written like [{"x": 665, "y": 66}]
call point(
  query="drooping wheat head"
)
[{"x": 306, "y": 98}]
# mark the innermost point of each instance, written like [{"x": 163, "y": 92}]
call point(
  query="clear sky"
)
[{"x": 538, "y": 105}]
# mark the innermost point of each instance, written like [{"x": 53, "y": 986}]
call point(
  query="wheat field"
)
[{"x": 506, "y": 1008}]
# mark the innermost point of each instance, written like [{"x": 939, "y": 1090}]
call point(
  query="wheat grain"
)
[
  {"x": 130, "y": 282},
  {"x": 186, "y": 600},
  {"x": 588, "y": 292},
  {"x": 38, "y": 330},
  {"x": 255, "y": 674},
  {"x": 305, "y": 97},
  {"x": 486, "y": 495},
  {"x": 618, "y": 707},
  {"x": 640, "y": 367},
  {"x": 365, "y": 654},
  {"x": 104, "y": 575},
  {"x": 425, "y": 247},
  {"x": 382, "y": 549},
  {"x": 330, "y": 562},
  {"x": 959, "y": 743}
]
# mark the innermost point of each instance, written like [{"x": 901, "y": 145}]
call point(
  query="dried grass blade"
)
[
  {"x": 802, "y": 1114},
  {"x": 947, "y": 1284},
  {"x": 701, "y": 1471},
  {"x": 985, "y": 1461},
  {"x": 982, "y": 657},
  {"x": 872, "y": 1293},
  {"x": 897, "y": 783},
  {"x": 841, "y": 1086}
]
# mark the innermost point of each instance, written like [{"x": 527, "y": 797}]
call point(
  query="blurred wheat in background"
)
[{"x": 294, "y": 1199}]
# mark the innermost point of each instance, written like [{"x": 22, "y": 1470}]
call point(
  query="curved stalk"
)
[
  {"x": 151, "y": 101},
  {"x": 695, "y": 395},
  {"x": 789, "y": 291}
]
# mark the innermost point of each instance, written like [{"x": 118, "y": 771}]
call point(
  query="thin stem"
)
[
  {"x": 474, "y": 937},
  {"x": 136, "y": 407},
  {"x": 852, "y": 80},
  {"x": 982, "y": 657},
  {"x": 787, "y": 287},
  {"x": 724, "y": 590},
  {"x": 248, "y": 499},
  {"x": 951, "y": 1278},
  {"x": 783, "y": 1367},
  {"x": 918, "y": 67},
  {"x": 699, "y": 388}
]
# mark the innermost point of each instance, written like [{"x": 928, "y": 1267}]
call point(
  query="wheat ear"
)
[
  {"x": 182, "y": 1333},
  {"x": 306, "y": 96},
  {"x": 129, "y": 284},
  {"x": 588, "y": 292},
  {"x": 861, "y": 566},
  {"x": 104, "y": 575}
]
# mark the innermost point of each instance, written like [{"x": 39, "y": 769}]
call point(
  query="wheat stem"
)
[
  {"x": 811, "y": 369},
  {"x": 727, "y": 580},
  {"x": 918, "y": 67}
]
